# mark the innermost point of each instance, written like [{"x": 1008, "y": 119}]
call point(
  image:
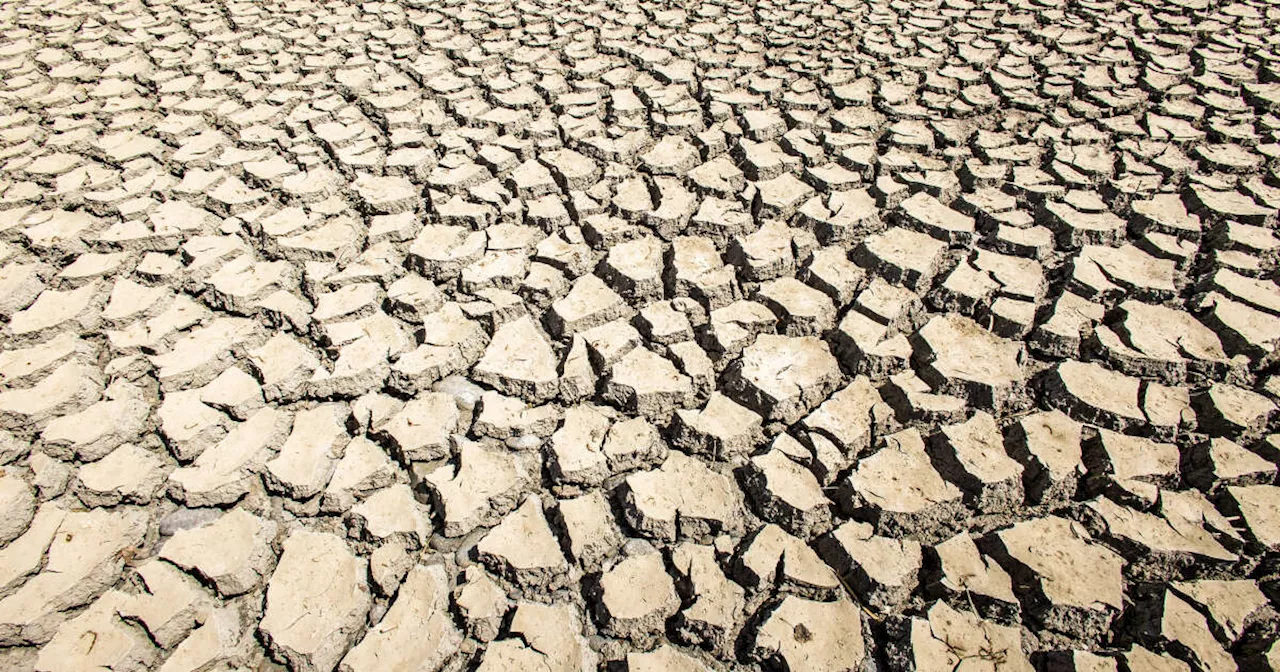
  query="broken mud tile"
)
[
  {"x": 577, "y": 376},
  {"x": 1140, "y": 658},
  {"x": 830, "y": 272},
  {"x": 234, "y": 552},
  {"x": 388, "y": 565},
  {"x": 524, "y": 551},
  {"x": 573, "y": 258},
  {"x": 306, "y": 459},
  {"x": 317, "y": 601},
  {"x": 83, "y": 558},
  {"x": 502, "y": 417},
  {"x": 1259, "y": 294},
  {"x": 1106, "y": 274},
  {"x": 413, "y": 297},
  {"x": 418, "y": 628},
  {"x": 1243, "y": 329},
  {"x": 204, "y": 352},
  {"x": 387, "y": 195},
  {"x": 240, "y": 284},
  {"x": 390, "y": 515},
  {"x": 1176, "y": 625},
  {"x": 802, "y": 634},
  {"x": 847, "y": 216},
  {"x": 588, "y": 524},
  {"x": 633, "y": 444},
  {"x": 171, "y": 606},
  {"x": 364, "y": 467},
  {"x": 928, "y": 215},
  {"x": 223, "y": 473},
  {"x": 648, "y": 384},
  {"x": 27, "y": 366},
  {"x": 1068, "y": 582},
  {"x": 972, "y": 455},
  {"x": 188, "y": 426},
  {"x": 421, "y": 430},
  {"x": 1048, "y": 444},
  {"x": 53, "y": 311},
  {"x": 1093, "y": 394},
  {"x": 763, "y": 255},
  {"x": 900, "y": 310},
  {"x": 961, "y": 358},
  {"x": 694, "y": 362},
  {"x": 347, "y": 303},
  {"x": 1010, "y": 318},
  {"x": 1237, "y": 609},
  {"x": 665, "y": 657},
  {"x": 771, "y": 557},
  {"x": 448, "y": 344},
  {"x": 574, "y": 454},
  {"x": 531, "y": 180},
  {"x": 116, "y": 643},
  {"x": 1219, "y": 462},
  {"x": 801, "y": 310},
  {"x": 681, "y": 499},
  {"x": 590, "y": 303},
  {"x": 672, "y": 155},
  {"x": 20, "y": 284},
  {"x": 715, "y": 603},
  {"x": 1131, "y": 469},
  {"x": 519, "y": 362},
  {"x": 1233, "y": 412},
  {"x": 787, "y": 494},
  {"x": 664, "y": 324},
  {"x": 283, "y": 366},
  {"x": 698, "y": 272},
  {"x": 481, "y": 603},
  {"x": 902, "y": 256},
  {"x": 850, "y": 416},
  {"x": 441, "y": 252},
  {"x": 1076, "y": 660},
  {"x": 635, "y": 598},
  {"x": 912, "y": 399},
  {"x": 967, "y": 576},
  {"x": 883, "y": 572},
  {"x": 97, "y": 430},
  {"x": 1166, "y": 213},
  {"x": 478, "y": 491},
  {"x": 1019, "y": 278},
  {"x": 781, "y": 196},
  {"x": 1076, "y": 228},
  {"x": 946, "y": 638},
  {"x": 897, "y": 489},
  {"x": 1155, "y": 549},
  {"x": 634, "y": 268},
  {"x": 1070, "y": 323},
  {"x": 541, "y": 636},
  {"x": 869, "y": 348},
  {"x": 1159, "y": 342},
  {"x": 23, "y": 556},
  {"x": 1259, "y": 507},
  {"x": 233, "y": 392},
  {"x": 734, "y": 327},
  {"x": 783, "y": 377},
  {"x": 966, "y": 290},
  {"x": 721, "y": 430},
  {"x": 717, "y": 177},
  {"x": 127, "y": 474}
]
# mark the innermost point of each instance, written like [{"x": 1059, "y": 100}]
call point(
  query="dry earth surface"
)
[{"x": 548, "y": 336}]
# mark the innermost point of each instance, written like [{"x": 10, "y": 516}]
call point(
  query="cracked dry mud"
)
[{"x": 867, "y": 335}]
